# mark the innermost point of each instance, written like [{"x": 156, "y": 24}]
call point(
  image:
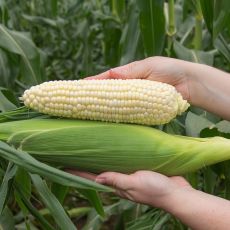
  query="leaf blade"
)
[{"x": 152, "y": 25}]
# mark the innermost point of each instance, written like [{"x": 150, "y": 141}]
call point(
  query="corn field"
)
[{"x": 68, "y": 40}]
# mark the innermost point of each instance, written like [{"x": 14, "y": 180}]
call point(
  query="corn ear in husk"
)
[{"x": 99, "y": 146}]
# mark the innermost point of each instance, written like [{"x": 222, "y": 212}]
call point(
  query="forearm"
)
[
  {"x": 209, "y": 89},
  {"x": 199, "y": 210}
]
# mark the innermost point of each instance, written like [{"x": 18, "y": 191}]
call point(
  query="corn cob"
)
[
  {"x": 126, "y": 101},
  {"x": 99, "y": 146}
]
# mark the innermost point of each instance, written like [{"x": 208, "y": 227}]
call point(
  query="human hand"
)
[
  {"x": 201, "y": 85},
  {"x": 144, "y": 187},
  {"x": 196, "y": 209},
  {"x": 163, "y": 69}
]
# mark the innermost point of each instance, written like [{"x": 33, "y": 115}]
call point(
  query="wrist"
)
[
  {"x": 174, "y": 201},
  {"x": 199, "y": 210},
  {"x": 208, "y": 88}
]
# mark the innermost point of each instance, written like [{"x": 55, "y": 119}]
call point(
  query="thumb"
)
[
  {"x": 116, "y": 180},
  {"x": 133, "y": 70}
]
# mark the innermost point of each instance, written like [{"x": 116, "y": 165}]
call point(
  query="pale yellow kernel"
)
[
  {"x": 103, "y": 109},
  {"x": 46, "y": 99},
  {"x": 65, "y": 112},
  {"x": 150, "y": 105},
  {"x": 79, "y": 107},
  {"x": 27, "y": 101},
  {"x": 31, "y": 96},
  {"x": 60, "y": 106}
]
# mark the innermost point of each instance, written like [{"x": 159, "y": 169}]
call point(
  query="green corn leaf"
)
[
  {"x": 5, "y": 72},
  {"x": 94, "y": 221},
  {"x": 6, "y": 103},
  {"x": 20, "y": 44},
  {"x": 207, "y": 7},
  {"x": 195, "y": 123},
  {"x": 193, "y": 55},
  {"x": 222, "y": 17},
  {"x": 94, "y": 199},
  {"x": 43, "y": 21},
  {"x": 23, "y": 200},
  {"x": 222, "y": 46},
  {"x": 130, "y": 38},
  {"x": 29, "y": 163},
  {"x": 59, "y": 191},
  {"x": 6, "y": 185},
  {"x": 22, "y": 178},
  {"x": 54, "y": 8},
  {"x": 152, "y": 25},
  {"x": 7, "y": 220},
  {"x": 52, "y": 203}
]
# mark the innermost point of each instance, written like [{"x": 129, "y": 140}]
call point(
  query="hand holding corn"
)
[
  {"x": 174, "y": 194},
  {"x": 200, "y": 85},
  {"x": 111, "y": 146},
  {"x": 145, "y": 92},
  {"x": 147, "y": 100}
]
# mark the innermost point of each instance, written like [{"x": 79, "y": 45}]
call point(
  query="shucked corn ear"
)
[
  {"x": 99, "y": 146},
  {"x": 126, "y": 101}
]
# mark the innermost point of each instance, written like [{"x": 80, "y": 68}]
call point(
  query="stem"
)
[
  {"x": 75, "y": 212},
  {"x": 171, "y": 14},
  {"x": 169, "y": 46},
  {"x": 171, "y": 25},
  {"x": 137, "y": 211},
  {"x": 198, "y": 33}
]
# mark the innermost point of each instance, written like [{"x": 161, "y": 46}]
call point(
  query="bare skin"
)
[{"x": 202, "y": 86}]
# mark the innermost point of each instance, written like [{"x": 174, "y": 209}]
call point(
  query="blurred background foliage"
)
[{"x": 44, "y": 40}]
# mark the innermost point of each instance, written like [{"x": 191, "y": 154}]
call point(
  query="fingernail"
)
[{"x": 100, "y": 180}]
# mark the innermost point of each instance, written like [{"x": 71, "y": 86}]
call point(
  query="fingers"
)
[
  {"x": 117, "y": 180},
  {"x": 86, "y": 175},
  {"x": 130, "y": 71},
  {"x": 133, "y": 70}
]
